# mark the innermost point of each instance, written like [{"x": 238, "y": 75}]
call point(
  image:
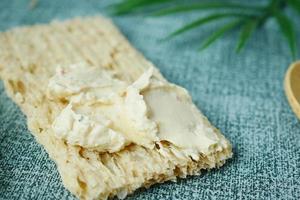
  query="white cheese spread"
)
[
  {"x": 107, "y": 114},
  {"x": 86, "y": 131}
]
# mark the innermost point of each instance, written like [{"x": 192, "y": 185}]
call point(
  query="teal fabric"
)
[{"x": 241, "y": 94}]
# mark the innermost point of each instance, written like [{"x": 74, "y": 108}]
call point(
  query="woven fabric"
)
[{"x": 241, "y": 94}]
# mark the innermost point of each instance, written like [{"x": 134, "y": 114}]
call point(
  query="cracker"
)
[{"x": 28, "y": 58}]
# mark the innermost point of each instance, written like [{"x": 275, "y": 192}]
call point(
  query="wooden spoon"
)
[{"x": 292, "y": 87}]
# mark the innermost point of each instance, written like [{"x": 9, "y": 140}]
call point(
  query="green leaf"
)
[
  {"x": 204, "y": 20},
  {"x": 295, "y": 4},
  {"x": 203, "y": 6},
  {"x": 287, "y": 29},
  {"x": 219, "y": 33},
  {"x": 128, "y": 6},
  {"x": 247, "y": 29}
]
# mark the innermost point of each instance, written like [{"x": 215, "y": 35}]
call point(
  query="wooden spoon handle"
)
[{"x": 292, "y": 87}]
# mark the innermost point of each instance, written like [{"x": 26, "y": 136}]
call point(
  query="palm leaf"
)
[
  {"x": 247, "y": 29},
  {"x": 128, "y": 6},
  {"x": 204, "y": 20},
  {"x": 202, "y": 6},
  {"x": 219, "y": 33},
  {"x": 287, "y": 29},
  {"x": 295, "y": 4}
]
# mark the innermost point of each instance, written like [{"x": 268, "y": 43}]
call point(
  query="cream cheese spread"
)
[
  {"x": 86, "y": 131},
  {"x": 107, "y": 114}
]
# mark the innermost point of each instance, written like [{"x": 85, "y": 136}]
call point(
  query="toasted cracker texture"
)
[{"x": 28, "y": 58}]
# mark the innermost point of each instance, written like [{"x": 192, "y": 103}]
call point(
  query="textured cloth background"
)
[{"x": 240, "y": 94}]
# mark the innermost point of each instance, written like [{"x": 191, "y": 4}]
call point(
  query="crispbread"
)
[{"x": 28, "y": 58}]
